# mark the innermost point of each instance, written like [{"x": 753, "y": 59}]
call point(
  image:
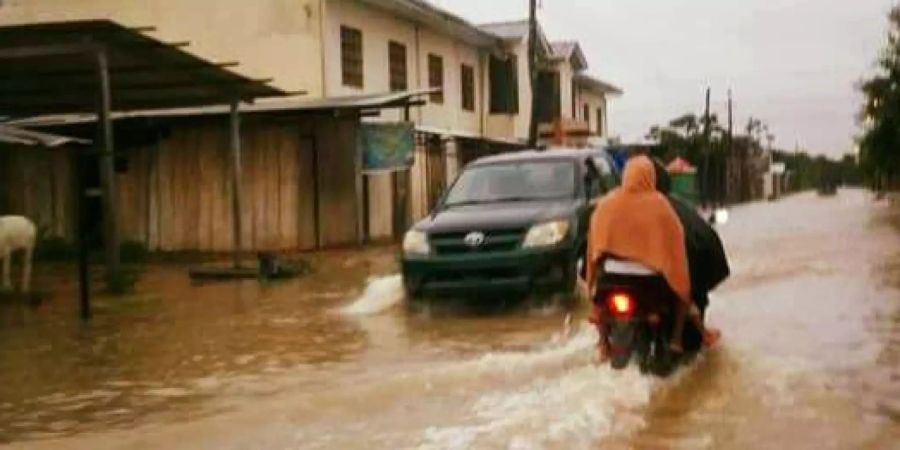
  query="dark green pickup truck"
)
[{"x": 510, "y": 224}]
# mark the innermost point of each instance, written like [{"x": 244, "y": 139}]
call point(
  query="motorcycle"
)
[{"x": 639, "y": 313}]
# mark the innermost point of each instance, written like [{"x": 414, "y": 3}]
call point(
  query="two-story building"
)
[{"x": 480, "y": 102}]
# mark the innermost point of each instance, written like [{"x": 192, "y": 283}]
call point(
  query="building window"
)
[
  {"x": 504, "y": 80},
  {"x": 397, "y": 66},
  {"x": 599, "y": 121},
  {"x": 351, "y": 57},
  {"x": 436, "y": 77},
  {"x": 467, "y": 81},
  {"x": 549, "y": 97},
  {"x": 587, "y": 113}
]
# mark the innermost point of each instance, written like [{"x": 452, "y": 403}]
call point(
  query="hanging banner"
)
[{"x": 386, "y": 147}]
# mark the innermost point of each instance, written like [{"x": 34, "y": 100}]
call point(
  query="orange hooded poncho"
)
[{"x": 637, "y": 223}]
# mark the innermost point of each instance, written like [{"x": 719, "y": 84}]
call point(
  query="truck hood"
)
[{"x": 493, "y": 216}]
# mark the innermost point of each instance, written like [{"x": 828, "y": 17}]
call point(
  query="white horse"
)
[{"x": 17, "y": 233}]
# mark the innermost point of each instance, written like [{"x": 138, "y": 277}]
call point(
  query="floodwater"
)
[{"x": 337, "y": 359}]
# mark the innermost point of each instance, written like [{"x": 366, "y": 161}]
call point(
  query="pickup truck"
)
[{"x": 514, "y": 223}]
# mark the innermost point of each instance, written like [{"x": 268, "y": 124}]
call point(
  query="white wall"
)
[
  {"x": 594, "y": 101},
  {"x": 564, "y": 68},
  {"x": 269, "y": 38},
  {"x": 378, "y": 28}
]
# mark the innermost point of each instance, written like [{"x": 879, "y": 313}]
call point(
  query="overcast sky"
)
[{"x": 792, "y": 63}]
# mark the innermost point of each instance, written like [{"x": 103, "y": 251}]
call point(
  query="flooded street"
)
[{"x": 810, "y": 357}]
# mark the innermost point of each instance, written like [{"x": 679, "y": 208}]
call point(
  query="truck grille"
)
[{"x": 494, "y": 241}]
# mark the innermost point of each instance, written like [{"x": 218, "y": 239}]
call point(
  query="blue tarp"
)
[
  {"x": 619, "y": 157},
  {"x": 386, "y": 146}
]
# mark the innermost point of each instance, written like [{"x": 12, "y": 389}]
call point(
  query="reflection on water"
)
[{"x": 171, "y": 344}]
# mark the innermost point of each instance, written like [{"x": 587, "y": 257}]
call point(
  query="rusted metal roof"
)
[{"x": 51, "y": 68}]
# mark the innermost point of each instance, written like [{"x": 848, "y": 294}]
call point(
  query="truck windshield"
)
[{"x": 520, "y": 181}]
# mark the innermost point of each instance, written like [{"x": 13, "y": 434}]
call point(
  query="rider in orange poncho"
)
[{"x": 637, "y": 223}]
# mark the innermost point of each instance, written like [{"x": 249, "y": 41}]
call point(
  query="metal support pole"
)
[
  {"x": 532, "y": 71},
  {"x": 236, "y": 211},
  {"x": 84, "y": 280},
  {"x": 107, "y": 166}
]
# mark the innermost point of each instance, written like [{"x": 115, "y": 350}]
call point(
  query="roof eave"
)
[{"x": 422, "y": 12}]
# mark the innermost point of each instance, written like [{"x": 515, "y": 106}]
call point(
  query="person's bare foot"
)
[
  {"x": 712, "y": 337},
  {"x": 602, "y": 354}
]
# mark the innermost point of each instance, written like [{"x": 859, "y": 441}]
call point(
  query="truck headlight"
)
[
  {"x": 416, "y": 243},
  {"x": 546, "y": 234}
]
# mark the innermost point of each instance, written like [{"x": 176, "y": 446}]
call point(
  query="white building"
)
[{"x": 334, "y": 48}]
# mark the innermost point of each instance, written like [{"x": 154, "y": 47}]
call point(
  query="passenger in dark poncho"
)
[{"x": 707, "y": 262}]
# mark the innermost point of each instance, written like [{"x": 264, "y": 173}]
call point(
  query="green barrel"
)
[{"x": 684, "y": 185}]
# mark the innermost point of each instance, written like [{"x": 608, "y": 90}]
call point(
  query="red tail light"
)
[{"x": 620, "y": 303}]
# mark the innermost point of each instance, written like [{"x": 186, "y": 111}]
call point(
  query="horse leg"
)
[{"x": 26, "y": 268}]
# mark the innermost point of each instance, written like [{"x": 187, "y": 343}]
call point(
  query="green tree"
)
[{"x": 880, "y": 115}]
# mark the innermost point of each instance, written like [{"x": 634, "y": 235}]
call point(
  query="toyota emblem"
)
[{"x": 474, "y": 239}]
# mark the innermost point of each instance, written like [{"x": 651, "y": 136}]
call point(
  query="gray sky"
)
[{"x": 792, "y": 63}]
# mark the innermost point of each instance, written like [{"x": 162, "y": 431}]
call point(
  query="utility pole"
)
[
  {"x": 730, "y": 140},
  {"x": 532, "y": 71},
  {"x": 707, "y": 149}
]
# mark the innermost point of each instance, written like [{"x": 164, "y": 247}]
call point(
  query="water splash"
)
[
  {"x": 553, "y": 397},
  {"x": 381, "y": 294}
]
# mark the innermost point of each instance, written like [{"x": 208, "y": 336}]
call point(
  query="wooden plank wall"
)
[
  {"x": 336, "y": 141},
  {"x": 38, "y": 184},
  {"x": 177, "y": 194}
]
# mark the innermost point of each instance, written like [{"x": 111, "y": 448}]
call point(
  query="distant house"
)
[{"x": 570, "y": 102}]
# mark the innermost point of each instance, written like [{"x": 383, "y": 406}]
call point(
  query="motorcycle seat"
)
[{"x": 626, "y": 267}]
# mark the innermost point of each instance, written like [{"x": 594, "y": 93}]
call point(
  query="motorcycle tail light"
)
[{"x": 620, "y": 303}]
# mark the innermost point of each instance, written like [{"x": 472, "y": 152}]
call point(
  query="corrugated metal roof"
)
[
  {"x": 368, "y": 101},
  {"x": 596, "y": 84},
  {"x": 517, "y": 30},
  {"x": 20, "y": 136},
  {"x": 423, "y": 12},
  {"x": 50, "y": 68},
  {"x": 465, "y": 134},
  {"x": 563, "y": 50}
]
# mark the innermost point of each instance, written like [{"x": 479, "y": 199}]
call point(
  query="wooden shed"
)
[{"x": 301, "y": 186}]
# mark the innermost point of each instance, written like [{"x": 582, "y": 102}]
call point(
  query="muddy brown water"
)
[{"x": 810, "y": 359}]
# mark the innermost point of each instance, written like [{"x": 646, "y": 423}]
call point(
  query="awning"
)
[
  {"x": 355, "y": 102},
  {"x": 21, "y": 136},
  {"x": 52, "y": 68}
]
